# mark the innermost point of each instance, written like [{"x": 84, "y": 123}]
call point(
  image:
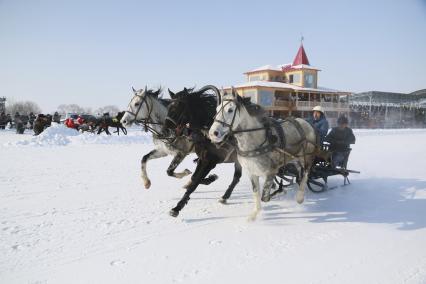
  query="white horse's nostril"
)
[{"x": 216, "y": 133}]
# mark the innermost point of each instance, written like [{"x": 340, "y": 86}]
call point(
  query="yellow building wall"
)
[
  {"x": 299, "y": 73},
  {"x": 266, "y": 76},
  {"x": 261, "y": 76}
]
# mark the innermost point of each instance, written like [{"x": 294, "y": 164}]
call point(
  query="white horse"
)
[
  {"x": 147, "y": 108},
  {"x": 265, "y": 145}
]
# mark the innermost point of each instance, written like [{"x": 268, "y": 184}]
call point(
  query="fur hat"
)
[{"x": 318, "y": 108}]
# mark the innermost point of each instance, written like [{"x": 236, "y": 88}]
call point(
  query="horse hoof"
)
[
  {"x": 300, "y": 198},
  {"x": 223, "y": 201},
  {"x": 147, "y": 184},
  {"x": 252, "y": 218},
  {"x": 174, "y": 213},
  {"x": 266, "y": 198}
]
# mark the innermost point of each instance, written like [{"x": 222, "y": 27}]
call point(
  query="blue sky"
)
[{"x": 92, "y": 52}]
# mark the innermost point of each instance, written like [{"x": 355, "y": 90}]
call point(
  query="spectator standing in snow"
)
[
  {"x": 32, "y": 118},
  {"x": 3, "y": 120},
  {"x": 56, "y": 117},
  {"x": 19, "y": 124}
]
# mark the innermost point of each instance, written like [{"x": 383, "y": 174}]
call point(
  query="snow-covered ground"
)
[{"x": 73, "y": 210}]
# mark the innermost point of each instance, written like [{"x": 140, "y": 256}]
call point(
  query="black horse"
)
[
  {"x": 192, "y": 113},
  {"x": 106, "y": 121}
]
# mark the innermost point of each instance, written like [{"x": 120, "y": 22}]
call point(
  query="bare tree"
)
[
  {"x": 111, "y": 109},
  {"x": 73, "y": 108},
  {"x": 24, "y": 107}
]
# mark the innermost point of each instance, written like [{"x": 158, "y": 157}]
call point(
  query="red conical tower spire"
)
[{"x": 301, "y": 57}]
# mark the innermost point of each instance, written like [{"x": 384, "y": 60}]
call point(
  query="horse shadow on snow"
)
[{"x": 401, "y": 202}]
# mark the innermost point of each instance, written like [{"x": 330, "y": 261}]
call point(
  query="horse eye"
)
[
  {"x": 136, "y": 104},
  {"x": 230, "y": 110}
]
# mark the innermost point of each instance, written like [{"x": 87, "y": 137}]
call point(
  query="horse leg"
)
[
  {"x": 235, "y": 180},
  {"x": 204, "y": 166},
  {"x": 300, "y": 196},
  {"x": 154, "y": 154},
  {"x": 266, "y": 193},
  {"x": 107, "y": 130},
  {"x": 257, "y": 206},
  {"x": 174, "y": 164}
]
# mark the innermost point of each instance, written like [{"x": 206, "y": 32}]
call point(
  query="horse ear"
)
[
  {"x": 146, "y": 89},
  {"x": 134, "y": 91},
  {"x": 222, "y": 92},
  {"x": 233, "y": 92},
  {"x": 172, "y": 95}
]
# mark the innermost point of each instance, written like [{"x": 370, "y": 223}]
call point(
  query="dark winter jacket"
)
[
  {"x": 56, "y": 117},
  {"x": 321, "y": 125},
  {"x": 340, "y": 139},
  {"x": 3, "y": 119}
]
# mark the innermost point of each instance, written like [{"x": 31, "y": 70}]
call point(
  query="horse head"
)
[
  {"x": 177, "y": 111},
  {"x": 140, "y": 106},
  {"x": 193, "y": 108},
  {"x": 229, "y": 115}
]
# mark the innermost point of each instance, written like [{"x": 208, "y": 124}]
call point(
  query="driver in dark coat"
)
[{"x": 340, "y": 138}]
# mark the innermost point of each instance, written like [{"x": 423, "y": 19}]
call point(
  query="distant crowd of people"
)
[
  {"x": 21, "y": 122},
  {"x": 38, "y": 123},
  {"x": 382, "y": 116}
]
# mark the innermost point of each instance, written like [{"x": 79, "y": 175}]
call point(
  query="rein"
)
[
  {"x": 231, "y": 125},
  {"x": 146, "y": 122},
  {"x": 262, "y": 148}
]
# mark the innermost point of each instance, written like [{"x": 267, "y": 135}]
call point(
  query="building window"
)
[
  {"x": 254, "y": 78},
  {"x": 309, "y": 80},
  {"x": 294, "y": 79},
  {"x": 266, "y": 98}
]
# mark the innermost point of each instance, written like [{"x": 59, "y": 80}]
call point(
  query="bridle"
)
[
  {"x": 147, "y": 120},
  {"x": 263, "y": 148},
  {"x": 177, "y": 123},
  {"x": 231, "y": 125}
]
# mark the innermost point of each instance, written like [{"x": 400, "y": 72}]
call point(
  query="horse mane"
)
[
  {"x": 252, "y": 108},
  {"x": 165, "y": 102},
  {"x": 201, "y": 105},
  {"x": 156, "y": 94}
]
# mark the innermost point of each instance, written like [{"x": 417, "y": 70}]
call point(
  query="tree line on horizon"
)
[{"x": 26, "y": 107}]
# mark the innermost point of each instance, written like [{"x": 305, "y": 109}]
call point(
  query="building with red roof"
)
[{"x": 292, "y": 89}]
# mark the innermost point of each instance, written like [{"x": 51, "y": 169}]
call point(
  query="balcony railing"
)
[{"x": 311, "y": 104}]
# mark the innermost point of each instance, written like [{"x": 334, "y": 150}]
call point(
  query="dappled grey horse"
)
[
  {"x": 263, "y": 144},
  {"x": 148, "y": 108}
]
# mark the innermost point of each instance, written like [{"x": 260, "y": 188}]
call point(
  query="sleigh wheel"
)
[{"x": 317, "y": 186}]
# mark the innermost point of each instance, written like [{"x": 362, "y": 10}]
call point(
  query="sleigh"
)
[{"x": 321, "y": 170}]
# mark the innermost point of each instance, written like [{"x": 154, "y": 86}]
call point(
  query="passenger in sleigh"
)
[{"x": 340, "y": 138}]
